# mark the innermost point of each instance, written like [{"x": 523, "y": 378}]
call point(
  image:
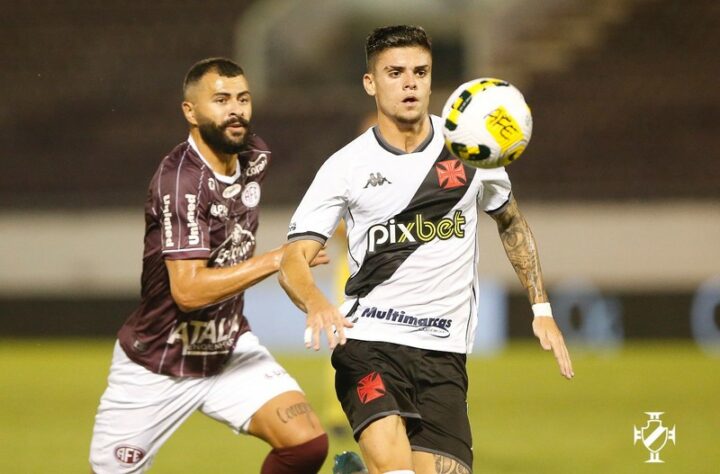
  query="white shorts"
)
[{"x": 141, "y": 409}]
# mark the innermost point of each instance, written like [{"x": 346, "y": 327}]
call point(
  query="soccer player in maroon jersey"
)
[{"x": 188, "y": 345}]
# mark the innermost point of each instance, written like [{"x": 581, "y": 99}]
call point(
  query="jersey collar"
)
[
  {"x": 397, "y": 151},
  {"x": 220, "y": 177}
]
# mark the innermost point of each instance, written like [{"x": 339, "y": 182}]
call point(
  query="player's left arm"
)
[{"x": 520, "y": 247}]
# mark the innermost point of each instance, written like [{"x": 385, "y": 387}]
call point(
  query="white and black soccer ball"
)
[{"x": 486, "y": 123}]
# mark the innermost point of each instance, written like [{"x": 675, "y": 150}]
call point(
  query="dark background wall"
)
[{"x": 90, "y": 96}]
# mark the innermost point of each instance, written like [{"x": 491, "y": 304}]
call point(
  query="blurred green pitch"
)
[{"x": 525, "y": 417}]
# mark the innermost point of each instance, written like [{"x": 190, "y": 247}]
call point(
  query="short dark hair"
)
[
  {"x": 222, "y": 66},
  {"x": 396, "y": 36}
]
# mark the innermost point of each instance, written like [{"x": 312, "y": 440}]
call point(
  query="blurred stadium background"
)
[{"x": 621, "y": 185}]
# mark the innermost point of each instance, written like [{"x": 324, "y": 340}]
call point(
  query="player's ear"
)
[
  {"x": 369, "y": 84},
  {"x": 189, "y": 112}
]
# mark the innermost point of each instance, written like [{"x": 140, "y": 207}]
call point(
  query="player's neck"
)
[
  {"x": 403, "y": 136},
  {"x": 220, "y": 163}
]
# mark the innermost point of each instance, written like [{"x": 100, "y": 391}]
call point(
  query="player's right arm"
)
[
  {"x": 298, "y": 282},
  {"x": 180, "y": 208},
  {"x": 313, "y": 222},
  {"x": 194, "y": 285}
]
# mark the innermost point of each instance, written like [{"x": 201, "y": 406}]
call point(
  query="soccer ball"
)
[{"x": 486, "y": 123}]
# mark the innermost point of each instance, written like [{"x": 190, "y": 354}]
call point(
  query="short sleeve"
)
[
  {"x": 495, "y": 192},
  {"x": 179, "y": 200},
  {"x": 324, "y": 204}
]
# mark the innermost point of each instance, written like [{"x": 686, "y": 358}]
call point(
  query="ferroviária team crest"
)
[{"x": 654, "y": 435}]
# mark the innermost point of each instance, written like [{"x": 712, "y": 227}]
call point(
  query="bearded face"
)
[
  {"x": 228, "y": 137},
  {"x": 221, "y": 109}
]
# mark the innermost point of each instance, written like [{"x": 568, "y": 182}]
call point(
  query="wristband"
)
[{"x": 542, "y": 310}]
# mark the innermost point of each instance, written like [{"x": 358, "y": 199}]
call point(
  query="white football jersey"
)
[{"x": 411, "y": 228}]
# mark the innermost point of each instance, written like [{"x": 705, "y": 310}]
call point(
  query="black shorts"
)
[{"x": 427, "y": 388}]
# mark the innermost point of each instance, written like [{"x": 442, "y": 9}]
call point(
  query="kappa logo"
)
[
  {"x": 129, "y": 454},
  {"x": 370, "y": 387},
  {"x": 376, "y": 179},
  {"x": 451, "y": 174}
]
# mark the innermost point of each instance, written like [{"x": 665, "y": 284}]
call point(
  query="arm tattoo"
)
[
  {"x": 445, "y": 465},
  {"x": 521, "y": 250}
]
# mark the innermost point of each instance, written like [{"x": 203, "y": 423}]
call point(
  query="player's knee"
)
[{"x": 306, "y": 458}]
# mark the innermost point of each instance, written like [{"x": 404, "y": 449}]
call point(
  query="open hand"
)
[
  {"x": 551, "y": 339},
  {"x": 327, "y": 318}
]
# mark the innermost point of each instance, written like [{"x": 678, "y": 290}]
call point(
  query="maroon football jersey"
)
[{"x": 193, "y": 213}]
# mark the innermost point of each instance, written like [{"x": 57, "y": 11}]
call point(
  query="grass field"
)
[{"x": 525, "y": 417}]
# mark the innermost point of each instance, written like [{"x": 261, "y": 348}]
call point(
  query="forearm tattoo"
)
[
  {"x": 521, "y": 250},
  {"x": 445, "y": 465}
]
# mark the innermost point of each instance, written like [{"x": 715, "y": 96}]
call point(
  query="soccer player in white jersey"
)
[
  {"x": 188, "y": 346},
  {"x": 400, "y": 339}
]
